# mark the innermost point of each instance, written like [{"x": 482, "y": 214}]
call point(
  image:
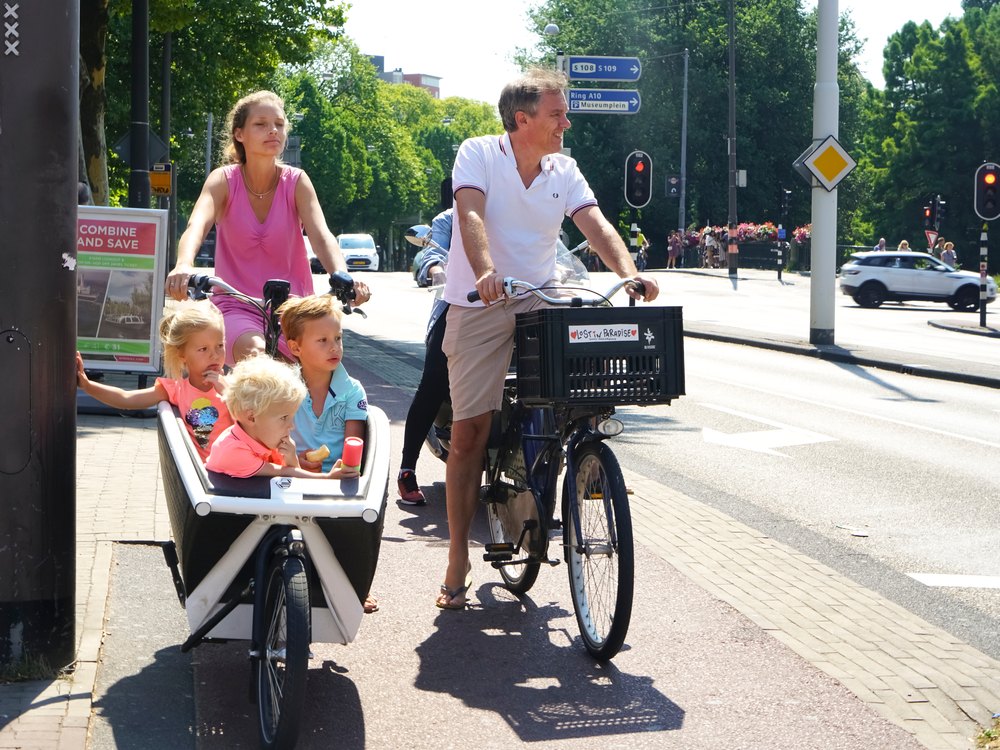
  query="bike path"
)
[{"x": 914, "y": 675}]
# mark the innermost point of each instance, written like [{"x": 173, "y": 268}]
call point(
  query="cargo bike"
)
[{"x": 281, "y": 562}]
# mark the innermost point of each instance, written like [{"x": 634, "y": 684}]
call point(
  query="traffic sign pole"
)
[{"x": 983, "y": 249}]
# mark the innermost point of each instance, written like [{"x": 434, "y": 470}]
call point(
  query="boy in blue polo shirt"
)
[{"x": 336, "y": 406}]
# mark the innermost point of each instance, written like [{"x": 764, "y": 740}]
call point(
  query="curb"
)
[
  {"x": 989, "y": 331},
  {"x": 834, "y": 354}
]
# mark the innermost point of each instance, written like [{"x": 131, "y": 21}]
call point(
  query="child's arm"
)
[
  {"x": 337, "y": 472},
  {"x": 116, "y": 397},
  {"x": 356, "y": 428}
]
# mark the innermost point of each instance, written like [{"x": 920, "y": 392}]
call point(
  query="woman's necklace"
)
[{"x": 254, "y": 192}]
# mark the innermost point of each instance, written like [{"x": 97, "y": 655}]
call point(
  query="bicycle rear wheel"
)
[
  {"x": 518, "y": 579},
  {"x": 281, "y": 674},
  {"x": 601, "y": 562}
]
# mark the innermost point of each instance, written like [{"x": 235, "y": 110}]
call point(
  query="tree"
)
[
  {"x": 220, "y": 49},
  {"x": 933, "y": 125},
  {"x": 775, "y": 74}
]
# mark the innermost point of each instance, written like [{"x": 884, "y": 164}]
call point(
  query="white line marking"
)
[
  {"x": 846, "y": 410},
  {"x": 957, "y": 581},
  {"x": 762, "y": 441}
]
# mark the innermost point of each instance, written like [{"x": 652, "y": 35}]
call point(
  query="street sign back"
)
[
  {"x": 604, "y": 101},
  {"x": 604, "y": 68}
]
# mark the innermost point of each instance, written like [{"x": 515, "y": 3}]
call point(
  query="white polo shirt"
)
[{"x": 522, "y": 224}]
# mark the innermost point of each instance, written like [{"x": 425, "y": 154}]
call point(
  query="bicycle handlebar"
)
[
  {"x": 511, "y": 285},
  {"x": 341, "y": 286}
]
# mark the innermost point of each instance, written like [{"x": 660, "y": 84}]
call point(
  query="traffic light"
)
[
  {"x": 987, "y": 205},
  {"x": 638, "y": 179},
  {"x": 786, "y": 196},
  {"x": 929, "y": 208},
  {"x": 942, "y": 209}
]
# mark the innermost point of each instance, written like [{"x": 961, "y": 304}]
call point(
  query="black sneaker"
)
[{"x": 409, "y": 490}]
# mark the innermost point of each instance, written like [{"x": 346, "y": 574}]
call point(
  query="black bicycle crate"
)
[{"x": 600, "y": 355}]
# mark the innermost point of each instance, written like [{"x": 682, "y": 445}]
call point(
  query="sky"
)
[{"x": 471, "y": 45}]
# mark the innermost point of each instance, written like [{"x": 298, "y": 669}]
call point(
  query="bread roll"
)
[{"x": 319, "y": 454}]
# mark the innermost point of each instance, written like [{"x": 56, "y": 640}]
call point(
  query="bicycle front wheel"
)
[
  {"x": 284, "y": 661},
  {"x": 601, "y": 561}
]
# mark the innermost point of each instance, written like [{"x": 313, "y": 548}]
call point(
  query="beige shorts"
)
[{"x": 478, "y": 343}]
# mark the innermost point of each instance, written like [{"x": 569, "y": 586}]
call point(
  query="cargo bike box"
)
[{"x": 281, "y": 562}]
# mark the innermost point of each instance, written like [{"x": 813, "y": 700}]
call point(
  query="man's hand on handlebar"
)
[
  {"x": 652, "y": 289},
  {"x": 490, "y": 287},
  {"x": 177, "y": 282}
]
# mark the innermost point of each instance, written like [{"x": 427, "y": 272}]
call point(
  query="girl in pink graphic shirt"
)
[{"x": 194, "y": 349}]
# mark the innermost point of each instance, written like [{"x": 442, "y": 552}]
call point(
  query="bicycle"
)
[
  {"x": 573, "y": 366},
  {"x": 282, "y": 562}
]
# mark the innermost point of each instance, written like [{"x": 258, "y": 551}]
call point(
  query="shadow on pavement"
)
[
  {"x": 332, "y": 715},
  {"x": 500, "y": 656},
  {"x": 150, "y": 709},
  {"x": 144, "y": 696},
  {"x": 870, "y": 375}
]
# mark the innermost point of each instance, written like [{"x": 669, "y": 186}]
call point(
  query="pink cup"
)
[{"x": 353, "y": 447}]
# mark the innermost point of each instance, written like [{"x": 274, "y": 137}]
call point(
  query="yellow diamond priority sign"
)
[{"x": 830, "y": 163}]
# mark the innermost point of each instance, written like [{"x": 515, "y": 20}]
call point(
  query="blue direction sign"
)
[
  {"x": 604, "y": 101},
  {"x": 604, "y": 68}
]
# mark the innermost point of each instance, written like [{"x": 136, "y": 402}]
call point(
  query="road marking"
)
[
  {"x": 846, "y": 410},
  {"x": 762, "y": 441},
  {"x": 957, "y": 581}
]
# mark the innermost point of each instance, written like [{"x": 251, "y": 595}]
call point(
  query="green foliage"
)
[
  {"x": 932, "y": 127},
  {"x": 221, "y": 50},
  {"x": 775, "y": 76},
  {"x": 376, "y": 152}
]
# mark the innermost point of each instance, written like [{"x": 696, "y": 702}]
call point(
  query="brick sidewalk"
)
[
  {"x": 119, "y": 497},
  {"x": 912, "y": 673}
]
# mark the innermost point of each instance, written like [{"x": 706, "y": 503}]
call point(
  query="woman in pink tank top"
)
[{"x": 259, "y": 207}]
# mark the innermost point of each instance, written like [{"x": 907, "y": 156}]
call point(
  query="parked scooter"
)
[{"x": 570, "y": 271}]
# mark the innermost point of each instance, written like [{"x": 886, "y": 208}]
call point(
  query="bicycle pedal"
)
[{"x": 500, "y": 552}]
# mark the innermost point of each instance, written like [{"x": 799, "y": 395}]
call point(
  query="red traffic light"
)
[
  {"x": 987, "y": 204},
  {"x": 638, "y": 179}
]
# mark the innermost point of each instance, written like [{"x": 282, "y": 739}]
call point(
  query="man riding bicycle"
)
[{"x": 511, "y": 194}]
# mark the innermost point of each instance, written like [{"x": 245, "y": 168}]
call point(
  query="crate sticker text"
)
[{"x": 603, "y": 334}]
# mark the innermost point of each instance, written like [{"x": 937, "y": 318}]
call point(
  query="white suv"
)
[{"x": 873, "y": 278}]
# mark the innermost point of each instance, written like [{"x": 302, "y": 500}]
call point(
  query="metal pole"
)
[
  {"x": 168, "y": 202},
  {"x": 684, "y": 146},
  {"x": 733, "y": 250},
  {"x": 39, "y": 70},
  {"x": 208, "y": 148},
  {"x": 983, "y": 246},
  {"x": 633, "y": 242},
  {"x": 826, "y": 119},
  {"x": 138, "y": 181}
]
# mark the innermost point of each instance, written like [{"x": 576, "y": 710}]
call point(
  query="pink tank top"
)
[{"x": 248, "y": 253}]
